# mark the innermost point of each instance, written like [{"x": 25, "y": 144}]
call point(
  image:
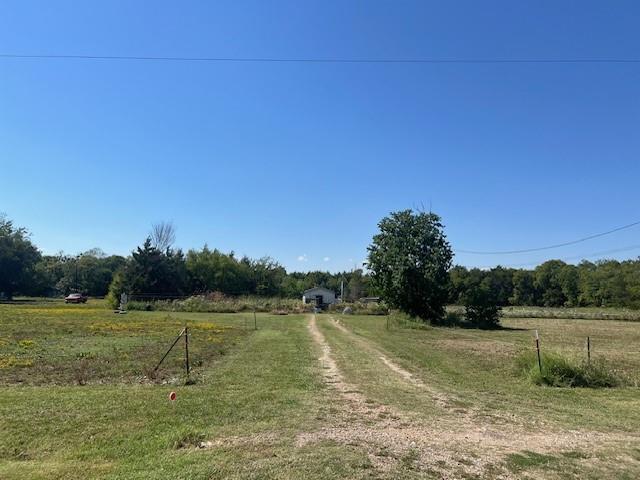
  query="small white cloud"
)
[
  {"x": 326, "y": 259},
  {"x": 303, "y": 258},
  {"x": 351, "y": 260}
]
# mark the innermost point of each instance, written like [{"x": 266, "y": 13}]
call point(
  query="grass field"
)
[
  {"x": 577, "y": 313},
  {"x": 54, "y": 343},
  {"x": 316, "y": 397}
]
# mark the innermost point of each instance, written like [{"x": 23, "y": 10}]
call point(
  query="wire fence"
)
[{"x": 120, "y": 349}]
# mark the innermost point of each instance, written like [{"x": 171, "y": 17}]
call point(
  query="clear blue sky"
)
[{"x": 300, "y": 161}]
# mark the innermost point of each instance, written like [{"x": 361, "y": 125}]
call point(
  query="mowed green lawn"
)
[{"x": 78, "y": 400}]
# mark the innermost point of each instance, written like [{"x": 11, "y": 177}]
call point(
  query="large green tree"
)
[
  {"x": 409, "y": 260},
  {"x": 18, "y": 259}
]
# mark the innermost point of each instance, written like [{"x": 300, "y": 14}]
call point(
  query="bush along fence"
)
[
  {"x": 557, "y": 370},
  {"x": 545, "y": 368}
]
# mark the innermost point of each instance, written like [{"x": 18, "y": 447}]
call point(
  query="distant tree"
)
[
  {"x": 163, "y": 235},
  {"x": 96, "y": 272},
  {"x": 150, "y": 273},
  {"x": 475, "y": 277},
  {"x": 292, "y": 286},
  {"x": 355, "y": 286},
  {"x": 569, "y": 279},
  {"x": 588, "y": 284},
  {"x": 548, "y": 281},
  {"x": 524, "y": 290},
  {"x": 409, "y": 260},
  {"x": 458, "y": 278},
  {"x": 215, "y": 271},
  {"x": 630, "y": 272},
  {"x": 611, "y": 284},
  {"x": 18, "y": 259},
  {"x": 500, "y": 282},
  {"x": 42, "y": 283},
  {"x": 90, "y": 272},
  {"x": 268, "y": 276}
]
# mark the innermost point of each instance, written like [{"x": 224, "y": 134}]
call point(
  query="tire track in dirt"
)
[
  {"x": 452, "y": 447},
  {"x": 333, "y": 376},
  {"x": 441, "y": 399},
  {"x": 386, "y": 434}
]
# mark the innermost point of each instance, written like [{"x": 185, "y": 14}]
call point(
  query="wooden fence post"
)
[
  {"x": 186, "y": 349},
  {"x": 538, "y": 350}
]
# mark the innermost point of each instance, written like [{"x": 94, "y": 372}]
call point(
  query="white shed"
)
[{"x": 319, "y": 295}]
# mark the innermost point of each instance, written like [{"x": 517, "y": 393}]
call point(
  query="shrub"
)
[
  {"x": 481, "y": 308},
  {"x": 116, "y": 288},
  {"x": 560, "y": 371}
]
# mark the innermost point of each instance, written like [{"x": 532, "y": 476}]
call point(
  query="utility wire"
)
[
  {"x": 574, "y": 257},
  {"x": 549, "y": 247},
  {"x": 326, "y": 60}
]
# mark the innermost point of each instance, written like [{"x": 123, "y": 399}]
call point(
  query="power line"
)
[
  {"x": 328, "y": 60},
  {"x": 574, "y": 257},
  {"x": 549, "y": 247}
]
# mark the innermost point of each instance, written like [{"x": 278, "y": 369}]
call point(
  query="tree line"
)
[
  {"x": 604, "y": 283},
  {"x": 157, "y": 269},
  {"x": 153, "y": 273}
]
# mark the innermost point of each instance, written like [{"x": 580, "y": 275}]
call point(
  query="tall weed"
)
[{"x": 561, "y": 371}]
